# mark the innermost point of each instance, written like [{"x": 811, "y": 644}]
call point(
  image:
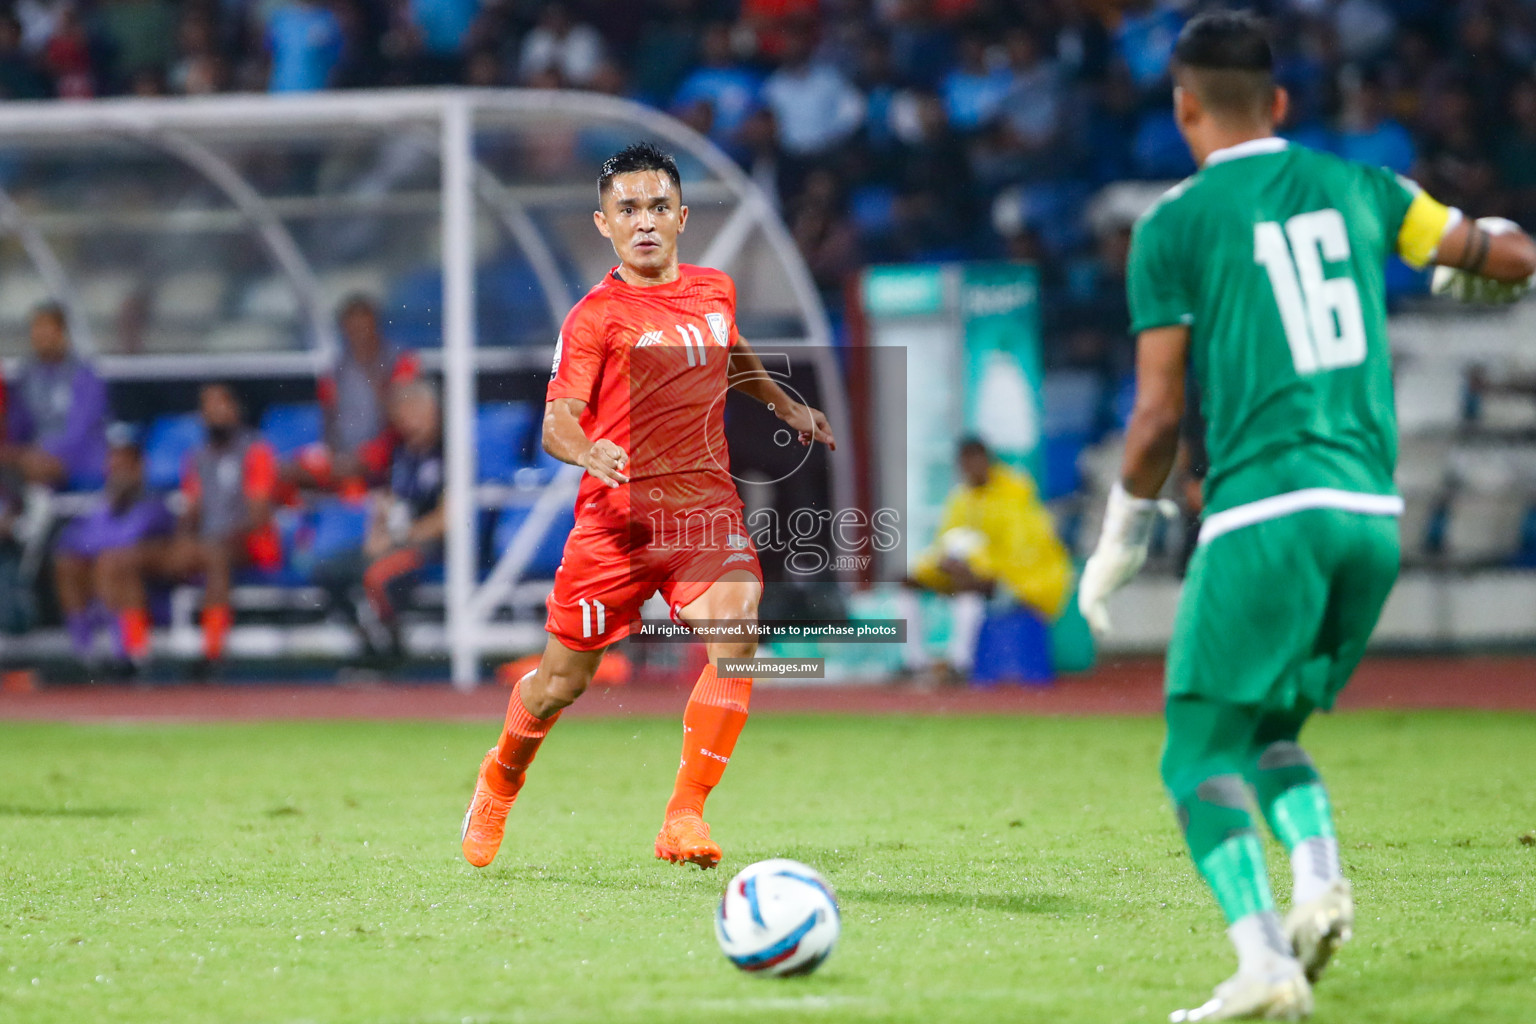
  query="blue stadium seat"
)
[
  {"x": 1013, "y": 646},
  {"x": 546, "y": 558},
  {"x": 1071, "y": 400},
  {"x": 502, "y": 432},
  {"x": 413, "y": 309},
  {"x": 510, "y": 304},
  {"x": 540, "y": 468},
  {"x": 290, "y": 428},
  {"x": 167, "y": 443},
  {"x": 1058, "y": 457},
  {"x": 337, "y": 527}
]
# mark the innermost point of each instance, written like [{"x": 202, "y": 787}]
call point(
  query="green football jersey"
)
[{"x": 1274, "y": 256}]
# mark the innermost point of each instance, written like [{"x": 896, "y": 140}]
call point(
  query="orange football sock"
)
[
  {"x": 520, "y": 739},
  {"x": 216, "y": 622},
  {"x": 716, "y": 712},
  {"x": 134, "y": 623}
]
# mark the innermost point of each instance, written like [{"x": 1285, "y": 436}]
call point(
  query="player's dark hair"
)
[
  {"x": 642, "y": 156},
  {"x": 973, "y": 445},
  {"x": 52, "y": 311},
  {"x": 226, "y": 387},
  {"x": 357, "y": 302},
  {"x": 1224, "y": 57}
]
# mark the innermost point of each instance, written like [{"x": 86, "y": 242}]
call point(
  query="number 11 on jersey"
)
[{"x": 1320, "y": 315}]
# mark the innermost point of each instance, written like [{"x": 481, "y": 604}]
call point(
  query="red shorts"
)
[{"x": 605, "y": 576}]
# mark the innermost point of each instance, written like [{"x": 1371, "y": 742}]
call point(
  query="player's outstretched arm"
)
[
  {"x": 1488, "y": 260},
  {"x": 748, "y": 375},
  {"x": 565, "y": 440},
  {"x": 1151, "y": 446}
]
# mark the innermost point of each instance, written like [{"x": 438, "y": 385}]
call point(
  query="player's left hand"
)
[
  {"x": 1475, "y": 288},
  {"x": 1122, "y": 549},
  {"x": 811, "y": 424}
]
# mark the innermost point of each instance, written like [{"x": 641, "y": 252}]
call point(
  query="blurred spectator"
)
[
  {"x": 1144, "y": 42},
  {"x": 876, "y": 80},
  {"x": 727, "y": 86},
  {"x": 1031, "y": 109},
  {"x": 825, "y": 235},
  {"x": 365, "y": 25},
  {"x": 934, "y": 208},
  {"x": 430, "y": 49},
  {"x": 304, "y": 43},
  {"x": 228, "y": 485},
  {"x": 443, "y": 24},
  {"x": 56, "y": 411},
  {"x": 39, "y": 21},
  {"x": 1517, "y": 152},
  {"x": 20, "y": 76},
  {"x": 355, "y": 397},
  {"x": 1366, "y": 132},
  {"x": 921, "y": 46},
  {"x": 768, "y": 23},
  {"x": 995, "y": 543},
  {"x": 199, "y": 65},
  {"x": 406, "y": 529},
  {"x": 104, "y": 557},
  {"x": 560, "y": 45},
  {"x": 974, "y": 90},
  {"x": 73, "y": 57},
  {"x": 1363, "y": 27},
  {"x": 1487, "y": 68},
  {"x": 814, "y": 106},
  {"x": 668, "y": 51},
  {"x": 141, "y": 35}
]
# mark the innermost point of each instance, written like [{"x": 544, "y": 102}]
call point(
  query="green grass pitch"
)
[{"x": 989, "y": 869}]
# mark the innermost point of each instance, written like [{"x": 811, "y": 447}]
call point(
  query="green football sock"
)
[
  {"x": 1236, "y": 873},
  {"x": 1291, "y": 794},
  {"x": 1300, "y": 813}
]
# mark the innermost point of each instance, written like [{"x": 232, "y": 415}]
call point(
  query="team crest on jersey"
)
[
  {"x": 649, "y": 338},
  {"x": 720, "y": 327}
]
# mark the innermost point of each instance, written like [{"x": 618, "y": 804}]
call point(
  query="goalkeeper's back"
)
[{"x": 1273, "y": 255}]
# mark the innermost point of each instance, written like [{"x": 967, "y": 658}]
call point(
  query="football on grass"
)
[{"x": 778, "y": 918}]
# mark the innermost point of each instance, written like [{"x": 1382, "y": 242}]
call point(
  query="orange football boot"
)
[
  {"x": 685, "y": 840},
  {"x": 486, "y": 820}
]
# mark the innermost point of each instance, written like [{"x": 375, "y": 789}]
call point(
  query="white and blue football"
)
[{"x": 778, "y": 917}]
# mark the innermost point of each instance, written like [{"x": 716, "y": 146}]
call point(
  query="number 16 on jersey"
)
[{"x": 1320, "y": 315}]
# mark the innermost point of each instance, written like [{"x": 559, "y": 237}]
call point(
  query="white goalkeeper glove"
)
[
  {"x": 1122, "y": 549},
  {"x": 1468, "y": 287}
]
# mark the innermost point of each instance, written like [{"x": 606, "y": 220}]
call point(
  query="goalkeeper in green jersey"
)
[{"x": 1262, "y": 275}]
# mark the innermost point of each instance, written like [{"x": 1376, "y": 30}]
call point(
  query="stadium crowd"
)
[{"x": 887, "y": 130}]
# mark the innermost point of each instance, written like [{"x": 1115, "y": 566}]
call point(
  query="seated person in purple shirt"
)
[
  {"x": 56, "y": 412},
  {"x": 103, "y": 558}
]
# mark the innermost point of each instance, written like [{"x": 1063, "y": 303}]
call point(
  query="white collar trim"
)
[{"x": 1253, "y": 147}]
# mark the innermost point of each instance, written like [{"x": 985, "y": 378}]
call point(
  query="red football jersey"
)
[{"x": 652, "y": 366}]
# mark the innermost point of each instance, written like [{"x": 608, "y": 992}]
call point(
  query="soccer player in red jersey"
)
[{"x": 636, "y": 399}]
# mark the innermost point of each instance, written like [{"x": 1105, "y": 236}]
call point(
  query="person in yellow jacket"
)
[{"x": 995, "y": 542}]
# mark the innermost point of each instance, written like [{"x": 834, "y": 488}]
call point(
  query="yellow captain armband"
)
[{"x": 1424, "y": 226}]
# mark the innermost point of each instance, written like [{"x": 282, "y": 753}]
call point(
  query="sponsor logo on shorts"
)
[
  {"x": 740, "y": 556},
  {"x": 649, "y": 338}
]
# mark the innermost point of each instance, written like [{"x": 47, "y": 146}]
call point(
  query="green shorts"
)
[{"x": 1278, "y": 613}]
